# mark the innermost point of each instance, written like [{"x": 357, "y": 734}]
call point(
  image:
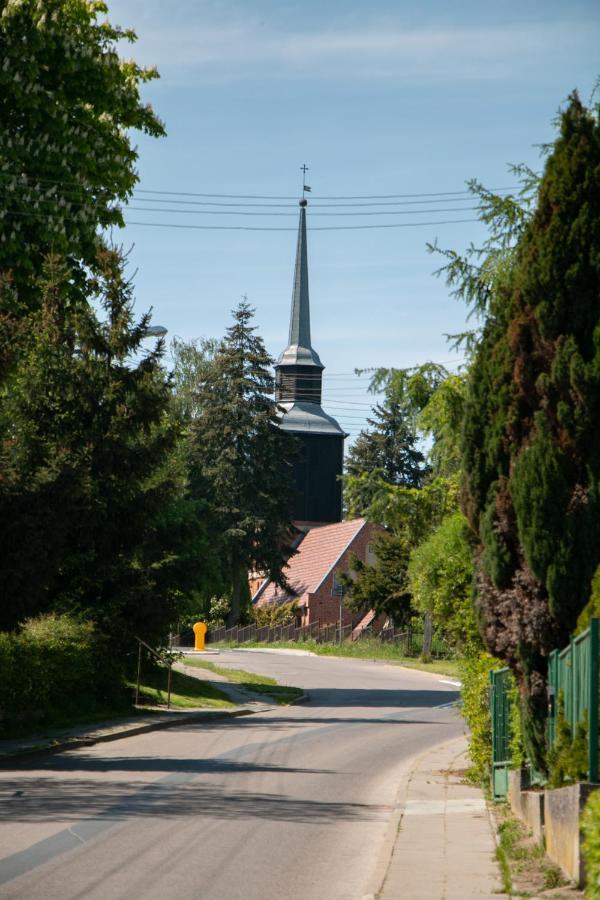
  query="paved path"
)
[
  {"x": 445, "y": 844},
  {"x": 296, "y": 802}
]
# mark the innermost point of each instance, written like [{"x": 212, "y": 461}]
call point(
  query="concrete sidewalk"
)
[{"x": 445, "y": 844}]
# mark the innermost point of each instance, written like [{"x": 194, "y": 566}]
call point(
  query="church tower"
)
[{"x": 298, "y": 385}]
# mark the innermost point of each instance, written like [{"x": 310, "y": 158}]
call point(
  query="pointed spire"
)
[
  {"x": 299, "y": 350},
  {"x": 300, "y": 318}
]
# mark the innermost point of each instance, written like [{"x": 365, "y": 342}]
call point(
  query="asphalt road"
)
[{"x": 295, "y": 802}]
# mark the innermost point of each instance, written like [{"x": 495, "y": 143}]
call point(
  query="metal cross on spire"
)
[{"x": 305, "y": 187}]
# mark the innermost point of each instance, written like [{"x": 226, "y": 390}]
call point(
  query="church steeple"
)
[
  {"x": 298, "y": 385},
  {"x": 299, "y": 351}
]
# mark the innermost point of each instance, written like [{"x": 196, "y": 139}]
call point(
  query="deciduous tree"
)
[{"x": 68, "y": 104}]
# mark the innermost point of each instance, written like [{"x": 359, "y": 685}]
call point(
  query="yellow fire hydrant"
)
[{"x": 200, "y": 630}]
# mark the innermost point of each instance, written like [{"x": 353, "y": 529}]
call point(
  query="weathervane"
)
[{"x": 305, "y": 187}]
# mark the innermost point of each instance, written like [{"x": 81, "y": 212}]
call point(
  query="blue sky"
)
[{"x": 377, "y": 98}]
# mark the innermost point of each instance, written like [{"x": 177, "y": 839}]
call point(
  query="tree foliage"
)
[
  {"x": 387, "y": 464},
  {"x": 387, "y": 447},
  {"x": 191, "y": 360},
  {"x": 85, "y": 480},
  {"x": 428, "y": 402},
  {"x": 440, "y": 577},
  {"x": 274, "y": 614},
  {"x": 382, "y": 586},
  {"x": 242, "y": 459},
  {"x": 531, "y": 452},
  {"x": 67, "y": 105}
]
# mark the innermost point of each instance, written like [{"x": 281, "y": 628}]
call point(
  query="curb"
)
[
  {"x": 284, "y": 651},
  {"x": 176, "y": 719},
  {"x": 77, "y": 743}
]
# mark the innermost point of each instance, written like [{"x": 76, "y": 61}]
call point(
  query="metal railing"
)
[
  {"x": 573, "y": 676},
  {"x": 164, "y": 657}
]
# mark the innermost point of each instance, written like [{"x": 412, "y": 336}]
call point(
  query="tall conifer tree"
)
[
  {"x": 531, "y": 450},
  {"x": 243, "y": 457},
  {"x": 91, "y": 516},
  {"x": 387, "y": 447}
]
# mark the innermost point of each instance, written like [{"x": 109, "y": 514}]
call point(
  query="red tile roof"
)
[{"x": 318, "y": 553}]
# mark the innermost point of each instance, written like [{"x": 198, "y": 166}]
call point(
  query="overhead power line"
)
[
  {"x": 319, "y": 196},
  {"x": 236, "y": 212},
  {"x": 59, "y": 218},
  {"x": 225, "y": 196},
  {"x": 310, "y": 228},
  {"x": 294, "y": 206},
  {"x": 227, "y": 212}
]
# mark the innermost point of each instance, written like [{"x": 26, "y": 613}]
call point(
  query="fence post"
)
[{"x": 594, "y": 699}]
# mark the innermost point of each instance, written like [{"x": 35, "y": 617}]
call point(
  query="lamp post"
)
[
  {"x": 155, "y": 331},
  {"x": 338, "y": 590}
]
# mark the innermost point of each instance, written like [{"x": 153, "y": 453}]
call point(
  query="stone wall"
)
[
  {"x": 562, "y": 814},
  {"x": 554, "y": 819},
  {"x": 527, "y": 805}
]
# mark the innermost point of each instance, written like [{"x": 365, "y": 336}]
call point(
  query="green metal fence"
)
[
  {"x": 573, "y": 674},
  {"x": 501, "y": 682}
]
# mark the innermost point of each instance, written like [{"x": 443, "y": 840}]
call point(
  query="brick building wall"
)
[{"x": 322, "y": 605}]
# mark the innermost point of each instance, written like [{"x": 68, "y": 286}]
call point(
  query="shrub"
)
[
  {"x": 281, "y": 614},
  {"x": 568, "y": 758},
  {"x": 590, "y": 824},
  {"x": 56, "y": 666},
  {"x": 517, "y": 748},
  {"x": 475, "y": 692}
]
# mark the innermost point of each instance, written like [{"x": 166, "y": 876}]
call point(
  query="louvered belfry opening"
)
[{"x": 294, "y": 383}]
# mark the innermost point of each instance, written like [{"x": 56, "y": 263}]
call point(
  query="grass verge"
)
[
  {"x": 526, "y": 870},
  {"x": 364, "y": 649},
  {"x": 187, "y": 692},
  {"x": 257, "y": 684}
]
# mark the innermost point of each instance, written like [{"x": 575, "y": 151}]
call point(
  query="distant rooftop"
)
[{"x": 317, "y": 555}]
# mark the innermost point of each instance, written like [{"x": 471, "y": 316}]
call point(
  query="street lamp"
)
[
  {"x": 338, "y": 590},
  {"x": 155, "y": 331}
]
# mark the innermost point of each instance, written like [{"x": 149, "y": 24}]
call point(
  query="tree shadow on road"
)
[
  {"x": 46, "y": 800},
  {"x": 368, "y": 699}
]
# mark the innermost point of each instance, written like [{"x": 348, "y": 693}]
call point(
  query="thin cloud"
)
[{"x": 234, "y": 50}]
